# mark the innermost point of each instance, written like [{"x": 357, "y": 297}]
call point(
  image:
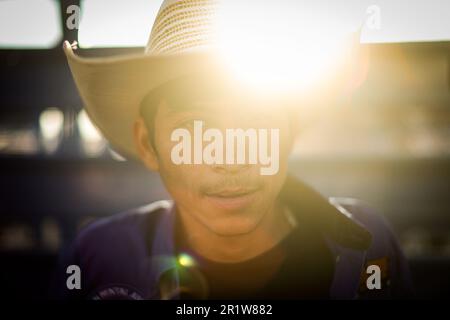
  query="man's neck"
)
[{"x": 273, "y": 227}]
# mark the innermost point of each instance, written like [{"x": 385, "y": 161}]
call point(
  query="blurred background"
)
[{"x": 388, "y": 143}]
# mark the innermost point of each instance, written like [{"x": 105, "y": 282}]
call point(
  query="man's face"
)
[{"x": 229, "y": 199}]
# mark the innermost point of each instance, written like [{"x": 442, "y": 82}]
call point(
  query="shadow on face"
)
[{"x": 231, "y": 196}]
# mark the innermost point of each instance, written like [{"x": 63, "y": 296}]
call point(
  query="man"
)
[{"x": 239, "y": 225}]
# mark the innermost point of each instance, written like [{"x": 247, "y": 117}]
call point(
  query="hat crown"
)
[{"x": 183, "y": 25}]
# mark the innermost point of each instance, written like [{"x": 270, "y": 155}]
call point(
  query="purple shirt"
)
[{"x": 132, "y": 255}]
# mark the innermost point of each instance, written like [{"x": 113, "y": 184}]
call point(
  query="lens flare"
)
[
  {"x": 186, "y": 260},
  {"x": 280, "y": 47}
]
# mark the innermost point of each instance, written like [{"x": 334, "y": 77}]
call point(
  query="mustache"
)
[{"x": 239, "y": 182}]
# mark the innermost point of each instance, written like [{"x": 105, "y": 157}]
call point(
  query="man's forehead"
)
[
  {"x": 212, "y": 95},
  {"x": 229, "y": 104}
]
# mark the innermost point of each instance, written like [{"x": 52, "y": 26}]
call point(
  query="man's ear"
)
[{"x": 144, "y": 148}]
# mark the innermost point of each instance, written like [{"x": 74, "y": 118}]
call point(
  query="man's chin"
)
[{"x": 234, "y": 226}]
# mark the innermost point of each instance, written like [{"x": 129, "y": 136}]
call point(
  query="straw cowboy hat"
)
[{"x": 112, "y": 88}]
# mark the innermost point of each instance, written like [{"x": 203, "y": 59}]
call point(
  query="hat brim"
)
[{"x": 112, "y": 88}]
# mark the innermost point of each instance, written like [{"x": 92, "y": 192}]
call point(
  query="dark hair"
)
[{"x": 180, "y": 92}]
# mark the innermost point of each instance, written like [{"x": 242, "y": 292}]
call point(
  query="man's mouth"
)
[{"x": 232, "y": 199}]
